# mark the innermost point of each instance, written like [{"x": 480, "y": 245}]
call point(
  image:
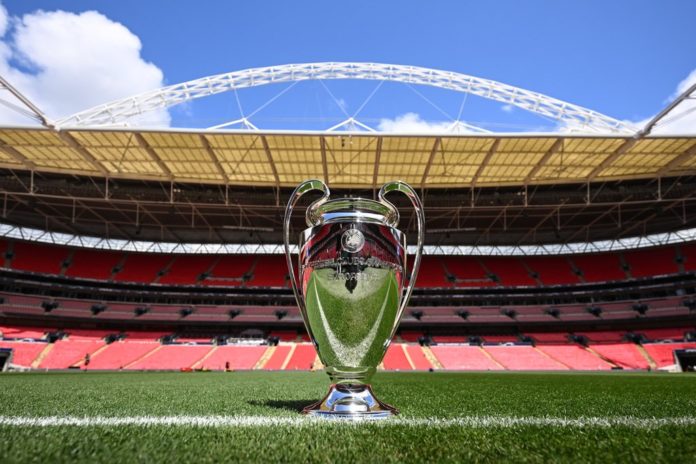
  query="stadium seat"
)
[
  {"x": 625, "y": 355},
  {"x": 510, "y": 271},
  {"x": 24, "y": 353},
  {"x": 552, "y": 270},
  {"x": 239, "y": 357},
  {"x": 464, "y": 358},
  {"x": 142, "y": 267},
  {"x": 395, "y": 358},
  {"x": 575, "y": 357},
  {"x": 652, "y": 262},
  {"x": 523, "y": 357},
  {"x": 302, "y": 357},
  {"x": 171, "y": 357},
  {"x": 67, "y": 353},
  {"x": 38, "y": 257},
  {"x": 600, "y": 267}
]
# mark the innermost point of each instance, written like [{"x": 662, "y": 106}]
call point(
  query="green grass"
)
[{"x": 417, "y": 395}]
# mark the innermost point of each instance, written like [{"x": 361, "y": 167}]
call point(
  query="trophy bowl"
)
[{"x": 352, "y": 287}]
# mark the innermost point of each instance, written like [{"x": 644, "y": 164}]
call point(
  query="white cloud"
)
[
  {"x": 507, "y": 108},
  {"x": 66, "y": 62},
  {"x": 411, "y": 123},
  {"x": 682, "y": 119}
]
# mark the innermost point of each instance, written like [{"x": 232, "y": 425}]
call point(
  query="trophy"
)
[{"x": 351, "y": 288}]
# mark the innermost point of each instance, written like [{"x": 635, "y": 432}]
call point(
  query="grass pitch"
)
[{"x": 446, "y": 417}]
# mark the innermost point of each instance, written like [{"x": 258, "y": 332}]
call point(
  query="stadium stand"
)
[
  {"x": 24, "y": 353},
  {"x": 187, "y": 270},
  {"x": 575, "y": 357},
  {"x": 625, "y": 355},
  {"x": 663, "y": 353},
  {"x": 240, "y": 357},
  {"x": 465, "y": 358},
  {"x": 143, "y": 268},
  {"x": 651, "y": 262},
  {"x": 119, "y": 354},
  {"x": 523, "y": 358},
  {"x": 509, "y": 271},
  {"x": 552, "y": 270},
  {"x": 93, "y": 264},
  {"x": 278, "y": 358},
  {"x": 69, "y": 353},
  {"x": 39, "y": 258},
  {"x": 599, "y": 267},
  {"x": 395, "y": 358},
  {"x": 170, "y": 357},
  {"x": 302, "y": 357}
]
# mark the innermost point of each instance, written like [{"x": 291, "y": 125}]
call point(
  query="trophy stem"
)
[{"x": 351, "y": 402}]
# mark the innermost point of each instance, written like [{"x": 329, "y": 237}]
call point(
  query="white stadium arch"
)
[{"x": 574, "y": 118}]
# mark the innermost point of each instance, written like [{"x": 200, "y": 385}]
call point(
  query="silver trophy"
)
[{"x": 352, "y": 290}]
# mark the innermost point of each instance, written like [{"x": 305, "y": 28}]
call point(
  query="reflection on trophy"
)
[{"x": 352, "y": 290}]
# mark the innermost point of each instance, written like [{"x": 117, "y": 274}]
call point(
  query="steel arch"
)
[{"x": 575, "y": 117}]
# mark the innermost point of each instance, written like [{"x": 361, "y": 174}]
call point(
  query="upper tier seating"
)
[
  {"x": 93, "y": 264},
  {"x": 651, "y": 262},
  {"x": 187, "y": 269},
  {"x": 142, "y": 267},
  {"x": 38, "y": 257},
  {"x": 552, "y": 270},
  {"x": 230, "y": 270},
  {"x": 271, "y": 270},
  {"x": 510, "y": 271},
  {"x": 467, "y": 272},
  {"x": 688, "y": 253},
  {"x": 599, "y": 267}
]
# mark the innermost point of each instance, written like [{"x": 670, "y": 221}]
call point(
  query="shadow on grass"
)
[{"x": 288, "y": 405}]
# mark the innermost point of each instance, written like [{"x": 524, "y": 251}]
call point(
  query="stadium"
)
[{"x": 146, "y": 309}]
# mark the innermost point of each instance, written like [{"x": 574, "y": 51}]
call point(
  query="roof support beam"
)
[
  {"x": 609, "y": 160},
  {"x": 375, "y": 172},
  {"x": 677, "y": 161},
  {"x": 433, "y": 152},
  {"x": 324, "y": 164},
  {"x": 484, "y": 163},
  {"x": 13, "y": 153},
  {"x": 269, "y": 155},
  {"x": 557, "y": 145},
  {"x": 153, "y": 155},
  {"x": 214, "y": 159},
  {"x": 86, "y": 155}
]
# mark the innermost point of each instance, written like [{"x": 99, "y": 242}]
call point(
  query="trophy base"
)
[{"x": 351, "y": 402}]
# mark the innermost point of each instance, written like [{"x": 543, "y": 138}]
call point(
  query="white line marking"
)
[{"x": 261, "y": 421}]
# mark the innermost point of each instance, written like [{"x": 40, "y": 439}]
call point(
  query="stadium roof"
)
[{"x": 345, "y": 160}]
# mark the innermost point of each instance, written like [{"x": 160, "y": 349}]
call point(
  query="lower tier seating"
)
[
  {"x": 520, "y": 358},
  {"x": 144, "y": 351}
]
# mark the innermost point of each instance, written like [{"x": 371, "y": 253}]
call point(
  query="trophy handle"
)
[
  {"x": 301, "y": 189},
  {"x": 406, "y": 189}
]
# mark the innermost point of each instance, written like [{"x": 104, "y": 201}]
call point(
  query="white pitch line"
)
[{"x": 261, "y": 421}]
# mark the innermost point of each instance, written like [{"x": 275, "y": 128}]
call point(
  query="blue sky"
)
[{"x": 622, "y": 58}]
